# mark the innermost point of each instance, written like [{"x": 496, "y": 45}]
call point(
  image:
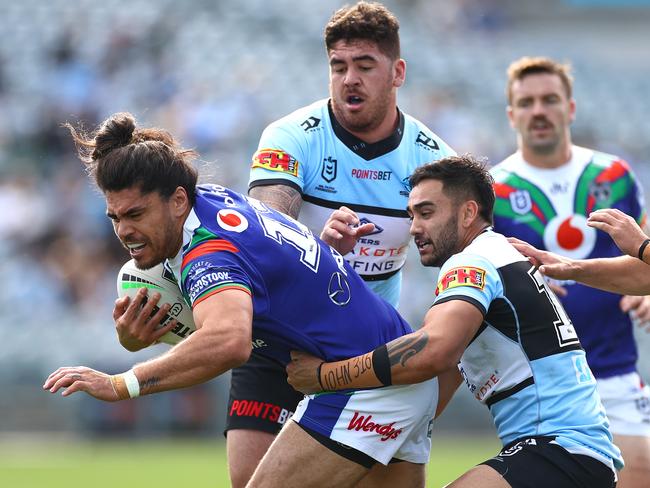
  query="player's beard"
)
[
  {"x": 444, "y": 245},
  {"x": 160, "y": 246},
  {"x": 372, "y": 115},
  {"x": 544, "y": 146}
]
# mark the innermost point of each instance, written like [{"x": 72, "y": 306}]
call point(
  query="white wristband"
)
[{"x": 132, "y": 383}]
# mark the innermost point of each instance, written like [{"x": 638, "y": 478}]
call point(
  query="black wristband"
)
[
  {"x": 381, "y": 365},
  {"x": 642, "y": 248},
  {"x": 318, "y": 373}
]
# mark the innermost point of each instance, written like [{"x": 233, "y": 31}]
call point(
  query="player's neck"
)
[
  {"x": 478, "y": 227},
  {"x": 559, "y": 157},
  {"x": 380, "y": 132}
]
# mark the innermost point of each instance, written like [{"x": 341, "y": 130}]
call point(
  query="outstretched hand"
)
[
  {"x": 626, "y": 233},
  {"x": 81, "y": 378},
  {"x": 342, "y": 230},
  {"x": 550, "y": 264},
  {"x": 303, "y": 372}
]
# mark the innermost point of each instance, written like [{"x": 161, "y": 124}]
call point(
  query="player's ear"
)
[
  {"x": 179, "y": 201},
  {"x": 572, "y": 110},
  {"x": 510, "y": 115},
  {"x": 399, "y": 73},
  {"x": 469, "y": 213}
]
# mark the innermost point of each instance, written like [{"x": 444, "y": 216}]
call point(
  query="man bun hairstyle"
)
[
  {"x": 118, "y": 155},
  {"x": 463, "y": 178},
  {"x": 365, "y": 21}
]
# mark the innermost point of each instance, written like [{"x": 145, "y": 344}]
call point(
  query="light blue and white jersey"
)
[
  {"x": 525, "y": 362},
  {"x": 310, "y": 151}
]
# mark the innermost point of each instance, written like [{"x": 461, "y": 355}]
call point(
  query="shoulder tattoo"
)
[{"x": 280, "y": 197}]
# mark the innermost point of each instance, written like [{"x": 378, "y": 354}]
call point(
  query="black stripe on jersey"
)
[
  {"x": 464, "y": 298},
  {"x": 497, "y": 397},
  {"x": 474, "y": 302},
  {"x": 368, "y": 151},
  {"x": 388, "y": 212},
  {"x": 380, "y": 277},
  {"x": 276, "y": 181},
  {"x": 531, "y": 314}
]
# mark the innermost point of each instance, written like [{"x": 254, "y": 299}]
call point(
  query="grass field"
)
[{"x": 172, "y": 463}]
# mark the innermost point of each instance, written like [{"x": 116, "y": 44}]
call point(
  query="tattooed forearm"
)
[
  {"x": 338, "y": 376},
  {"x": 361, "y": 364},
  {"x": 148, "y": 383},
  {"x": 284, "y": 198},
  {"x": 360, "y": 372},
  {"x": 402, "y": 349}
]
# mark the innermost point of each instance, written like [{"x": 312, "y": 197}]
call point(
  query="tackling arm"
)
[
  {"x": 623, "y": 274},
  {"x": 434, "y": 349}
]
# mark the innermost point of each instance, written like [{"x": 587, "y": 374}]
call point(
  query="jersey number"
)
[
  {"x": 296, "y": 235},
  {"x": 566, "y": 333}
]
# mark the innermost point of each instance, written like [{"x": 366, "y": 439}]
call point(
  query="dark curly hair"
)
[
  {"x": 118, "y": 156},
  {"x": 366, "y": 21},
  {"x": 463, "y": 178}
]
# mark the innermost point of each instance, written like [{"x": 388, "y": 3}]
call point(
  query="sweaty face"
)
[
  {"x": 363, "y": 84},
  {"x": 541, "y": 112},
  {"x": 434, "y": 223},
  {"x": 145, "y": 224}
]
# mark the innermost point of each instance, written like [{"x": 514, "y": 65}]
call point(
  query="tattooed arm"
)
[
  {"x": 284, "y": 198},
  {"x": 435, "y": 348}
]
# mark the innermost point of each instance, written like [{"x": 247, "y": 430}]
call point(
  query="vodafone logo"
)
[
  {"x": 232, "y": 220},
  {"x": 570, "y": 236}
]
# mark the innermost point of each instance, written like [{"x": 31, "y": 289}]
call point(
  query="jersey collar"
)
[{"x": 363, "y": 149}]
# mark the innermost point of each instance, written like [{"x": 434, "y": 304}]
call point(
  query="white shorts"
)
[
  {"x": 627, "y": 402},
  {"x": 383, "y": 423}
]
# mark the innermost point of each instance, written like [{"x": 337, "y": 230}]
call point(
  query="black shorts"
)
[
  {"x": 537, "y": 462},
  {"x": 260, "y": 397}
]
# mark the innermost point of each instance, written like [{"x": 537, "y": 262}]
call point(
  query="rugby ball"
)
[{"x": 157, "y": 279}]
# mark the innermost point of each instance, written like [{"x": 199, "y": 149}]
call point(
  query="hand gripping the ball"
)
[{"x": 135, "y": 324}]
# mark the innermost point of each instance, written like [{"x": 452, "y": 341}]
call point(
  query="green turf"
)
[{"x": 171, "y": 463}]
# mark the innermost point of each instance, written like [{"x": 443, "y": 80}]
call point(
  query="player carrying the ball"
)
[{"x": 252, "y": 274}]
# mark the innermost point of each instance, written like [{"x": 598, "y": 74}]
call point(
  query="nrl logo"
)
[
  {"x": 521, "y": 202},
  {"x": 328, "y": 171}
]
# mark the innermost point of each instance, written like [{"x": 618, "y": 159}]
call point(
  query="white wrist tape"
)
[{"x": 132, "y": 383}]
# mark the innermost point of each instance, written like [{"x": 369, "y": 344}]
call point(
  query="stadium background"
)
[{"x": 215, "y": 73}]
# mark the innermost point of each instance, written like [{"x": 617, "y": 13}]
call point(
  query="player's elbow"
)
[
  {"x": 237, "y": 349},
  {"x": 443, "y": 359}
]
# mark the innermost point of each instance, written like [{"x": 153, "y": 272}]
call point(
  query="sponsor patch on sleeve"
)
[
  {"x": 275, "y": 160},
  {"x": 461, "y": 276}
]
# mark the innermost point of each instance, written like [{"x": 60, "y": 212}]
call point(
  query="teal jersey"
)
[
  {"x": 311, "y": 152},
  {"x": 526, "y": 363}
]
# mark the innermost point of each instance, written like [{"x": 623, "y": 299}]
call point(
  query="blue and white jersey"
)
[
  {"x": 305, "y": 296},
  {"x": 549, "y": 207},
  {"x": 525, "y": 362},
  {"x": 310, "y": 151}
]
